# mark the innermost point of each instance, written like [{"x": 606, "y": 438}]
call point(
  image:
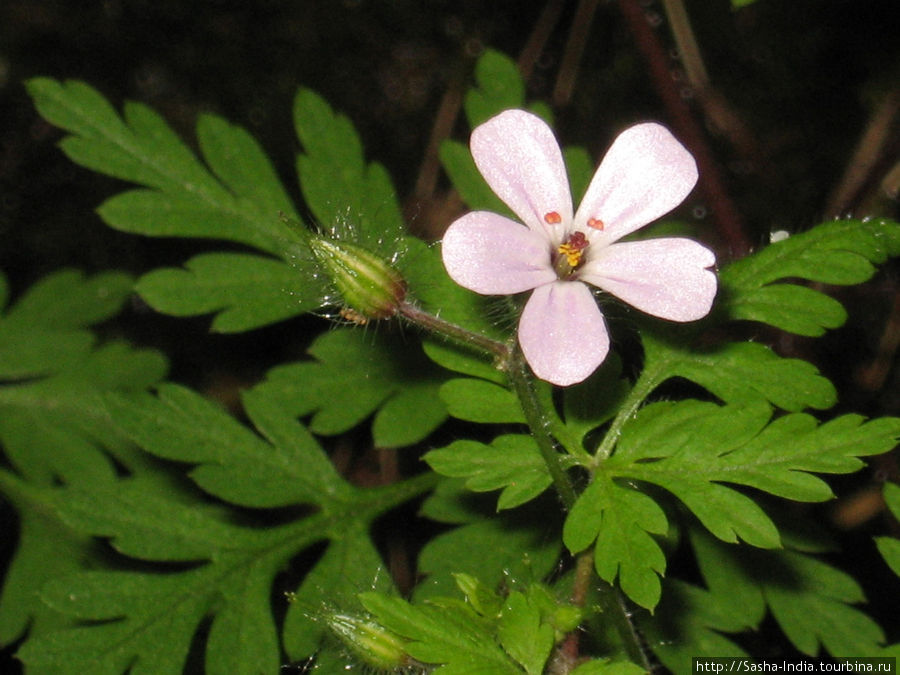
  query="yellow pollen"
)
[
  {"x": 573, "y": 255},
  {"x": 573, "y": 249}
]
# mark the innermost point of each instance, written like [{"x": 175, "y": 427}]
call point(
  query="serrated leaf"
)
[
  {"x": 502, "y": 544},
  {"x": 451, "y": 635},
  {"x": 810, "y": 600},
  {"x": 46, "y": 549},
  {"x": 511, "y": 462},
  {"x": 349, "y": 565},
  {"x": 740, "y": 372},
  {"x": 523, "y": 635},
  {"x": 245, "y": 291},
  {"x": 688, "y": 624},
  {"x": 889, "y": 547},
  {"x": 184, "y": 199},
  {"x": 241, "y": 165},
  {"x": 480, "y": 401},
  {"x": 133, "y": 613},
  {"x": 43, "y": 331},
  {"x": 621, "y": 521},
  {"x": 499, "y": 87},
  {"x": 839, "y": 252},
  {"x": 53, "y": 427},
  {"x": 738, "y": 444},
  {"x": 592, "y": 403},
  {"x": 356, "y": 374},
  {"x": 460, "y": 167},
  {"x": 341, "y": 190},
  {"x": 730, "y": 580},
  {"x": 181, "y": 425},
  {"x": 239, "y": 199}
]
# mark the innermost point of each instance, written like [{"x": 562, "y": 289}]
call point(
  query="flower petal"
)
[
  {"x": 520, "y": 159},
  {"x": 562, "y": 333},
  {"x": 663, "y": 277},
  {"x": 644, "y": 175},
  {"x": 493, "y": 255}
]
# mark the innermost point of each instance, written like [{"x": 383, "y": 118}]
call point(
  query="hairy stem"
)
[
  {"x": 538, "y": 419},
  {"x": 540, "y": 423},
  {"x": 646, "y": 383},
  {"x": 452, "y": 332}
]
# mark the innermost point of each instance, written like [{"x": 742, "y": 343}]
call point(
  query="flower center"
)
[{"x": 569, "y": 254}]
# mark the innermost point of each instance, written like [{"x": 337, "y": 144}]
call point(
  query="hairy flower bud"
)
[
  {"x": 368, "y": 641},
  {"x": 368, "y": 285}
]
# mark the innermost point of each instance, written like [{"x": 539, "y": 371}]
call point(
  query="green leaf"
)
[
  {"x": 131, "y": 613},
  {"x": 838, "y": 252},
  {"x": 452, "y": 635},
  {"x": 47, "y": 549},
  {"x": 517, "y": 546},
  {"x": 184, "y": 198},
  {"x": 53, "y": 427},
  {"x": 181, "y": 425},
  {"x": 688, "y": 623},
  {"x": 247, "y": 291},
  {"x": 349, "y": 564},
  {"x": 523, "y": 635},
  {"x": 475, "y": 192},
  {"x": 43, "y": 332},
  {"x": 499, "y": 87},
  {"x": 730, "y": 580},
  {"x": 621, "y": 520},
  {"x": 480, "y": 401},
  {"x": 511, "y": 462},
  {"x": 810, "y": 600},
  {"x": 740, "y": 372},
  {"x": 356, "y": 374},
  {"x": 889, "y": 547},
  {"x": 345, "y": 194},
  {"x": 590, "y": 404}
]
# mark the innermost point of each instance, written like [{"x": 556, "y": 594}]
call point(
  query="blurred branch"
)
[
  {"x": 719, "y": 113},
  {"x": 869, "y": 150},
  {"x": 711, "y": 184},
  {"x": 568, "y": 68},
  {"x": 540, "y": 34}
]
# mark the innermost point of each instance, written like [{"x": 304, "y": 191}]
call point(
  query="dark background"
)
[{"x": 804, "y": 79}]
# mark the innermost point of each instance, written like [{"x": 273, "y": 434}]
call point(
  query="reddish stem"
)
[{"x": 689, "y": 131}]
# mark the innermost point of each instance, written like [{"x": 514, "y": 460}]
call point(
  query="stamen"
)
[
  {"x": 552, "y": 218},
  {"x": 596, "y": 223},
  {"x": 574, "y": 248}
]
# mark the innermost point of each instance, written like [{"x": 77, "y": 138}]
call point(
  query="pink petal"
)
[
  {"x": 493, "y": 255},
  {"x": 562, "y": 333},
  {"x": 644, "y": 175},
  {"x": 520, "y": 159},
  {"x": 663, "y": 277}
]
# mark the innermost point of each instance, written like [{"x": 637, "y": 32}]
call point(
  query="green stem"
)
[
  {"x": 500, "y": 351},
  {"x": 614, "y": 606},
  {"x": 645, "y": 384},
  {"x": 540, "y": 424},
  {"x": 537, "y": 418}
]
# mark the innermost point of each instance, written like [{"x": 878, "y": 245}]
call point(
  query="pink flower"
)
[{"x": 644, "y": 175}]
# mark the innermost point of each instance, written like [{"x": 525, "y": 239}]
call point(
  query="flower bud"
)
[
  {"x": 368, "y": 641},
  {"x": 367, "y": 284}
]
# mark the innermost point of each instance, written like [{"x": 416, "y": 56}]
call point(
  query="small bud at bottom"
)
[{"x": 371, "y": 643}]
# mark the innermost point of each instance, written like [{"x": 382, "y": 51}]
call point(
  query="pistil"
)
[{"x": 570, "y": 253}]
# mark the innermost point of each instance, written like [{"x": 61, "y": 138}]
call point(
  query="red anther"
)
[
  {"x": 596, "y": 223},
  {"x": 552, "y": 218}
]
